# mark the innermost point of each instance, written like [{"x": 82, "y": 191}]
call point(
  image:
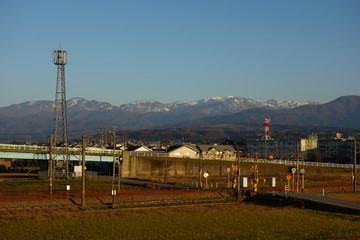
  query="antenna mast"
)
[{"x": 266, "y": 125}]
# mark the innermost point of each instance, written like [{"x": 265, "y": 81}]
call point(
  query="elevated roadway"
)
[{"x": 11, "y": 151}]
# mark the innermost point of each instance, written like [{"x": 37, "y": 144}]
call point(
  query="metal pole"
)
[
  {"x": 51, "y": 165},
  {"x": 354, "y": 167},
  {"x": 165, "y": 169},
  {"x": 297, "y": 175},
  {"x": 303, "y": 174},
  {"x": 200, "y": 170},
  {"x": 298, "y": 150},
  {"x": 119, "y": 167},
  {"x": 114, "y": 166},
  {"x": 238, "y": 178},
  {"x": 83, "y": 173},
  {"x": 293, "y": 183},
  {"x": 256, "y": 175}
]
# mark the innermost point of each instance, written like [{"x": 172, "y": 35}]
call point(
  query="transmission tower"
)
[{"x": 61, "y": 164}]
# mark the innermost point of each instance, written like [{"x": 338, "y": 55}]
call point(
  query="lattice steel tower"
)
[{"x": 61, "y": 164}]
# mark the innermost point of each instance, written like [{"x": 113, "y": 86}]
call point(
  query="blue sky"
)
[{"x": 167, "y": 50}]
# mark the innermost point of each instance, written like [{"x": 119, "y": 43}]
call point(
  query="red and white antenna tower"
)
[{"x": 266, "y": 125}]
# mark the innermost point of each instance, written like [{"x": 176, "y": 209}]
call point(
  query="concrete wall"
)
[
  {"x": 153, "y": 167},
  {"x": 139, "y": 166}
]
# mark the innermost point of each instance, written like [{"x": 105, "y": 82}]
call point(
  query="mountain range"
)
[
  {"x": 36, "y": 117},
  {"x": 343, "y": 112}
]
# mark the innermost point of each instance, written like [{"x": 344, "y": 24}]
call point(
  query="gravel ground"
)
[{"x": 60, "y": 207}]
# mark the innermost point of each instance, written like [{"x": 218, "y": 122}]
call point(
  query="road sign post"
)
[
  {"x": 288, "y": 178},
  {"x": 206, "y": 175},
  {"x": 302, "y": 171},
  {"x": 293, "y": 170}
]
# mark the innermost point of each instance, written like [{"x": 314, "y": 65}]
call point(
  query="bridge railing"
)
[
  {"x": 23, "y": 147},
  {"x": 292, "y": 162}
]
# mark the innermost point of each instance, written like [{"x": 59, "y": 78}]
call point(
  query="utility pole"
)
[
  {"x": 51, "y": 164},
  {"x": 302, "y": 173},
  {"x": 297, "y": 166},
  {"x": 200, "y": 170},
  {"x": 119, "y": 166},
  {"x": 83, "y": 173},
  {"x": 106, "y": 137},
  {"x": 238, "y": 176},
  {"x": 114, "y": 165},
  {"x": 165, "y": 169},
  {"x": 102, "y": 137},
  {"x": 354, "y": 167}
]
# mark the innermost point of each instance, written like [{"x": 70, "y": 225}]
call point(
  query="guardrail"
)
[
  {"x": 283, "y": 162},
  {"x": 306, "y": 163}
]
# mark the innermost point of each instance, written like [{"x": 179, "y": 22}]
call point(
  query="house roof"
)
[
  {"x": 220, "y": 148},
  {"x": 135, "y": 148},
  {"x": 174, "y": 147}
]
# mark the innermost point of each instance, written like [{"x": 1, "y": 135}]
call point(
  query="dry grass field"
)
[{"x": 31, "y": 215}]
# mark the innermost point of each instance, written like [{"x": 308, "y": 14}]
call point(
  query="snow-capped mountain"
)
[
  {"x": 84, "y": 104},
  {"x": 207, "y": 106},
  {"x": 289, "y": 104},
  {"x": 213, "y": 105}
]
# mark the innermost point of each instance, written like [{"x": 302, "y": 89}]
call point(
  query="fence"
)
[
  {"x": 45, "y": 175},
  {"x": 149, "y": 154}
]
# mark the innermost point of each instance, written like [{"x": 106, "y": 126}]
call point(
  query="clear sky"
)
[{"x": 181, "y": 50}]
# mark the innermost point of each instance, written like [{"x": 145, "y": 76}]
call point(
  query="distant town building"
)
[
  {"x": 220, "y": 152},
  {"x": 337, "y": 149},
  {"x": 265, "y": 148},
  {"x": 183, "y": 151}
]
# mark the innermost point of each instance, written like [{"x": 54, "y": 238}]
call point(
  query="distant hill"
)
[{"x": 35, "y": 118}]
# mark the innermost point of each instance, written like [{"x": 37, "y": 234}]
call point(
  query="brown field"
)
[{"x": 146, "y": 212}]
